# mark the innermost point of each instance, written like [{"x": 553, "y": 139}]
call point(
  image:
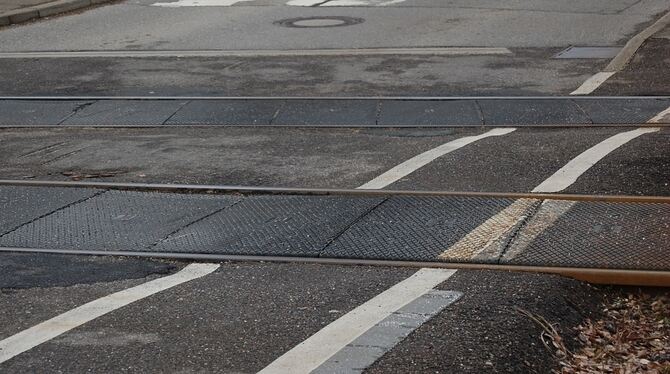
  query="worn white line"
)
[
  {"x": 438, "y": 51},
  {"x": 486, "y": 237},
  {"x": 67, "y": 321},
  {"x": 318, "y": 348},
  {"x": 417, "y": 162},
  {"x": 492, "y": 230},
  {"x": 569, "y": 173},
  {"x": 304, "y": 2},
  {"x": 660, "y": 117},
  {"x": 592, "y": 83},
  {"x": 382, "y": 337},
  {"x": 195, "y": 3},
  {"x": 353, "y": 3},
  {"x": 548, "y": 213}
]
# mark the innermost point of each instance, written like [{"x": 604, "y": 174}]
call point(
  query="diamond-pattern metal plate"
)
[
  {"x": 226, "y": 112},
  {"x": 20, "y": 205},
  {"x": 116, "y": 220},
  {"x": 414, "y": 228},
  {"x": 125, "y": 113},
  {"x": 620, "y": 111},
  {"x": 588, "y": 52},
  {"x": 532, "y": 112},
  {"x": 271, "y": 225},
  {"x": 429, "y": 113},
  {"x": 36, "y": 112},
  {"x": 597, "y": 234},
  {"x": 359, "y": 113}
]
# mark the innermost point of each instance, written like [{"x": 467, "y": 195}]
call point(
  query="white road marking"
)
[
  {"x": 362, "y": 2},
  {"x": 428, "y": 51},
  {"x": 304, "y": 2},
  {"x": 194, "y": 3},
  {"x": 308, "y": 3},
  {"x": 569, "y": 173},
  {"x": 67, "y": 321},
  {"x": 490, "y": 232},
  {"x": 486, "y": 237},
  {"x": 548, "y": 213},
  {"x": 382, "y": 337},
  {"x": 660, "y": 116},
  {"x": 318, "y": 348},
  {"x": 592, "y": 83},
  {"x": 417, "y": 162}
]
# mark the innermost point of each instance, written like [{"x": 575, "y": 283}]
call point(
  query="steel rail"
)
[
  {"x": 332, "y": 98},
  {"x": 628, "y": 277},
  {"x": 331, "y": 126},
  {"x": 197, "y": 188}
]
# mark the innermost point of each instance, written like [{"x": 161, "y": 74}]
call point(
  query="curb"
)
[
  {"x": 628, "y": 51},
  {"x": 45, "y": 10},
  {"x": 622, "y": 58}
]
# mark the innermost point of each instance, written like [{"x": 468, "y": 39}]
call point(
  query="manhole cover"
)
[{"x": 305, "y": 22}]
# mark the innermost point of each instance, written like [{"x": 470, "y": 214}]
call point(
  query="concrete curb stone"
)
[{"x": 45, "y": 10}]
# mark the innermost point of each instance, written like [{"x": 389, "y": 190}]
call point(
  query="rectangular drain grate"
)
[{"x": 588, "y": 52}]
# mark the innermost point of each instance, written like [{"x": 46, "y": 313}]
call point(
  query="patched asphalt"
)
[{"x": 40, "y": 270}]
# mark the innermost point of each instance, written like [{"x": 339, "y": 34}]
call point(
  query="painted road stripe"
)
[
  {"x": 436, "y": 51},
  {"x": 551, "y": 210},
  {"x": 362, "y": 2},
  {"x": 592, "y": 83},
  {"x": 402, "y": 170},
  {"x": 193, "y": 3},
  {"x": 318, "y": 348},
  {"x": 67, "y": 321},
  {"x": 660, "y": 117},
  {"x": 385, "y": 335},
  {"x": 548, "y": 213},
  {"x": 486, "y": 238},
  {"x": 568, "y": 174}
]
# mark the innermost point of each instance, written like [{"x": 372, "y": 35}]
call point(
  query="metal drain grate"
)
[{"x": 588, "y": 52}]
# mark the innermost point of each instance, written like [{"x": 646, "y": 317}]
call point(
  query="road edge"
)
[
  {"x": 628, "y": 51},
  {"x": 622, "y": 58},
  {"x": 45, "y": 10}
]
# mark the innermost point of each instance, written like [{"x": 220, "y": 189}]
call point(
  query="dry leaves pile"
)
[{"x": 632, "y": 337}]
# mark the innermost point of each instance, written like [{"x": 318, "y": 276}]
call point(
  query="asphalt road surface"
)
[
  {"x": 73, "y": 313},
  {"x": 532, "y": 31}
]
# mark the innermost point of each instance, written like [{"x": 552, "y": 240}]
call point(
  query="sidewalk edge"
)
[{"x": 45, "y": 10}]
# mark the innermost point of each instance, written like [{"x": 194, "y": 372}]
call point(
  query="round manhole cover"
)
[{"x": 333, "y": 21}]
